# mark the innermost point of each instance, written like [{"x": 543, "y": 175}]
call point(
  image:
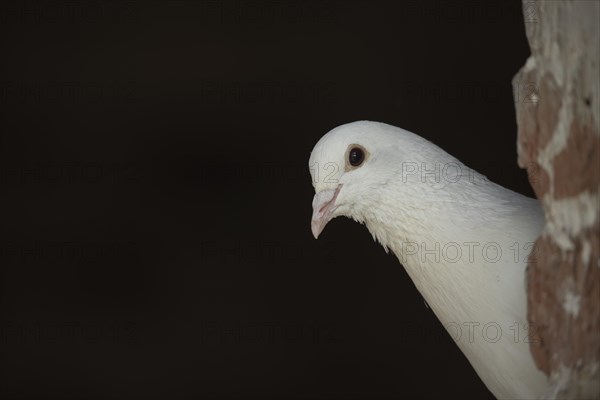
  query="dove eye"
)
[{"x": 356, "y": 156}]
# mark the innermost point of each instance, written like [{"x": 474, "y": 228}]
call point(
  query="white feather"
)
[{"x": 411, "y": 212}]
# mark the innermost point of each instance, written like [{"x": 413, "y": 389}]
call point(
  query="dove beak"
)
[{"x": 323, "y": 208}]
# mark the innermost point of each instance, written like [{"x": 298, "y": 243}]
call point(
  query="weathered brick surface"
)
[{"x": 559, "y": 139}]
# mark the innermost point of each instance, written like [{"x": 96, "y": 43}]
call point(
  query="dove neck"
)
[{"x": 443, "y": 237}]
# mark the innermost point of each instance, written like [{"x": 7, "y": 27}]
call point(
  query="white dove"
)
[{"x": 463, "y": 240}]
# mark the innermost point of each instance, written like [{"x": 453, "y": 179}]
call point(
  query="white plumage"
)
[{"x": 463, "y": 240}]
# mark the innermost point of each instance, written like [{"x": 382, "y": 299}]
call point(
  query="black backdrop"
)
[{"x": 156, "y": 198}]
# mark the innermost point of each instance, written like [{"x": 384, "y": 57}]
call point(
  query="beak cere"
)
[{"x": 323, "y": 208}]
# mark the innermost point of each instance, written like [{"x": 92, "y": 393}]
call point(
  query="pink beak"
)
[{"x": 323, "y": 208}]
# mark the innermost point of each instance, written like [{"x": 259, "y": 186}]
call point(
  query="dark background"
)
[{"x": 156, "y": 199}]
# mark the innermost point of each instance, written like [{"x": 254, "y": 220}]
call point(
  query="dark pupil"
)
[{"x": 356, "y": 156}]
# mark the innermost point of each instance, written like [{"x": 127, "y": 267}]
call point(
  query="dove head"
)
[{"x": 352, "y": 167}]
